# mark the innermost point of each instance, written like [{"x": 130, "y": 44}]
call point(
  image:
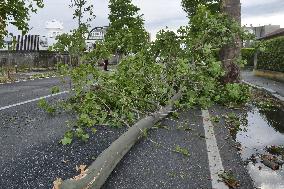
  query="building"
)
[
  {"x": 54, "y": 28},
  {"x": 260, "y": 32},
  {"x": 98, "y": 33},
  {"x": 95, "y": 35},
  {"x": 277, "y": 33}
]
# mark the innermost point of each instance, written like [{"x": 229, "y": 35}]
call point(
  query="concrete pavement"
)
[{"x": 268, "y": 84}]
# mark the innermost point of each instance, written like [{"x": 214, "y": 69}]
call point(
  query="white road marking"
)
[
  {"x": 215, "y": 161},
  {"x": 33, "y": 100}
]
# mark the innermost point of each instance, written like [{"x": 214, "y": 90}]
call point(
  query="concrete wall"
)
[{"x": 38, "y": 59}]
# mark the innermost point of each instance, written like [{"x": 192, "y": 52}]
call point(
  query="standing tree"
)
[
  {"x": 190, "y": 6},
  {"x": 229, "y": 53},
  {"x": 75, "y": 42},
  {"x": 126, "y": 33},
  {"x": 17, "y": 13}
]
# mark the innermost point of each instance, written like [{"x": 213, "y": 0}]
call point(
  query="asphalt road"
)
[
  {"x": 153, "y": 163},
  {"x": 32, "y": 158}
]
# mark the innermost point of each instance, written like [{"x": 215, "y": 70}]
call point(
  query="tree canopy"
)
[
  {"x": 190, "y": 6},
  {"x": 17, "y": 13},
  {"x": 126, "y": 31}
]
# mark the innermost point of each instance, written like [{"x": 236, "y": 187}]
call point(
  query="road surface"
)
[{"x": 32, "y": 158}]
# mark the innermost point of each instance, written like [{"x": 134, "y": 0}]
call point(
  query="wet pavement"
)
[
  {"x": 32, "y": 158},
  {"x": 153, "y": 164},
  {"x": 269, "y": 84},
  {"x": 264, "y": 128},
  {"x": 259, "y": 127}
]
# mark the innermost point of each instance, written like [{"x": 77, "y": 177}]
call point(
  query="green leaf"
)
[
  {"x": 182, "y": 151},
  {"x": 55, "y": 90},
  {"x": 85, "y": 137},
  {"x": 66, "y": 141},
  {"x": 94, "y": 131}
]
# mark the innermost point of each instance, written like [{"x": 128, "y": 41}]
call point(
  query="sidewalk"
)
[{"x": 267, "y": 84}]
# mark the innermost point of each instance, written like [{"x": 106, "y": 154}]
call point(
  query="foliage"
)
[
  {"x": 55, "y": 90},
  {"x": 206, "y": 24},
  {"x": 190, "y": 6},
  {"x": 171, "y": 44},
  {"x": 233, "y": 123},
  {"x": 275, "y": 150},
  {"x": 229, "y": 179},
  {"x": 144, "y": 81},
  {"x": 17, "y": 13},
  {"x": 182, "y": 151},
  {"x": 46, "y": 106},
  {"x": 126, "y": 33},
  {"x": 101, "y": 52},
  {"x": 75, "y": 42},
  {"x": 82, "y": 9},
  {"x": 215, "y": 119},
  {"x": 248, "y": 55},
  {"x": 236, "y": 93},
  {"x": 272, "y": 55}
]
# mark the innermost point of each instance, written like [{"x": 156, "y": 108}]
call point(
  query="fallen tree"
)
[
  {"x": 177, "y": 70},
  {"x": 99, "y": 171}
]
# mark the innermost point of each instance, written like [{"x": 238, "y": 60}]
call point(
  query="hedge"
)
[
  {"x": 272, "y": 56},
  {"x": 248, "y": 55}
]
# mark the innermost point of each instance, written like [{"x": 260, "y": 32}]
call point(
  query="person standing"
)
[{"x": 106, "y": 64}]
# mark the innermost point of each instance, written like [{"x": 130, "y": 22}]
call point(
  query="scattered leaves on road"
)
[
  {"x": 228, "y": 178},
  {"x": 182, "y": 151}
]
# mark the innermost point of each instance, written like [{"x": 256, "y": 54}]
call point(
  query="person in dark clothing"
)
[{"x": 105, "y": 65}]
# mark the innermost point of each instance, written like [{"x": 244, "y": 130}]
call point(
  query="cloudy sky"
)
[{"x": 157, "y": 14}]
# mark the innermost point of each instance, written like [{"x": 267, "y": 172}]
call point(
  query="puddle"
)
[{"x": 262, "y": 128}]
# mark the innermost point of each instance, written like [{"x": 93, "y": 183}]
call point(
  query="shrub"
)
[
  {"x": 235, "y": 93},
  {"x": 272, "y": 56},
  {"x": 248, "y": 55}
]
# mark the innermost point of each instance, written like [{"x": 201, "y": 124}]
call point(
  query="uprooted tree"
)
[{"x": 230, "y": 52}]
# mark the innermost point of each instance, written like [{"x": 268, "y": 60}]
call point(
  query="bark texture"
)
[
  {"x": 229, "y": 53},
  {"x": 101, "y": 168}
]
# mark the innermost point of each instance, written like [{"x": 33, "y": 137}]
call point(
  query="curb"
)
[
  {"x": 102, "y": 167},
  {"x": 27, "y": 79},
  {"x": 270, "y": 91}
]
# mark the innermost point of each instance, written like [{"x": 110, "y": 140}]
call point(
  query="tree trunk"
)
[{"x": 230, "y": 53}]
